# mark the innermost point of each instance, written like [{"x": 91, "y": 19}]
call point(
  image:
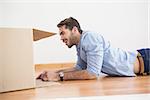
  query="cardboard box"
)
[
  {"x": 0, "y": 63},
  {"x": 17, "y": 69}
]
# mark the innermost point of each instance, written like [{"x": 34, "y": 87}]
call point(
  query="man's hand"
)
[{"x": 49, "y": 76}]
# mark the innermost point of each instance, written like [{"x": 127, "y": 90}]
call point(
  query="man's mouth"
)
[{"x": 65, "y": 41}]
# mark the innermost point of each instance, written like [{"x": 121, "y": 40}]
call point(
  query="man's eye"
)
[{"x": 61, "y": 33}]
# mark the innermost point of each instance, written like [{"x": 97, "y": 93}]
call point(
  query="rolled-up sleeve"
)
[
  {"x": 80, "y": 65},
  {"x": 93, "y": 47}
]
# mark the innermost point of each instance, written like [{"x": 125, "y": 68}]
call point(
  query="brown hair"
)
[{"x": 70, "y": 23}]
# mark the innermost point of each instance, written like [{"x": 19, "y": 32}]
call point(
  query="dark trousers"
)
[{"x": 145, "y": 53}]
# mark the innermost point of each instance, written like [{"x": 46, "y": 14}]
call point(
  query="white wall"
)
[
  {"x": 123, "y": 22},
  {"x": 149, "y": 23}
]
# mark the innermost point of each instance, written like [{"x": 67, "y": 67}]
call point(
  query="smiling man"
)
[{"x": 96, "y": 56}]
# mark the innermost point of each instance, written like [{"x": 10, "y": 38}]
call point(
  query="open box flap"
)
[{"x": 39, "y": 34}]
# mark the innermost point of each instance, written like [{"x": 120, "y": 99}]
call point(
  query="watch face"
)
[{"x": 61, "y": 74}]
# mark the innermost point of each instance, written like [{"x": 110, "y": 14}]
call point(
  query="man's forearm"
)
[
  {"x": 78, "y": 74},
  {"x": 66, "y": 70},
  {"x": 69, "y": 74}
]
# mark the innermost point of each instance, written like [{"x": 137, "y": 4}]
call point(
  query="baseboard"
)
[{"x": 54, "y": 65}]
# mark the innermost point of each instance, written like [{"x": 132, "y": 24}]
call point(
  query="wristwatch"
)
[{"x": 61, "y": 75}]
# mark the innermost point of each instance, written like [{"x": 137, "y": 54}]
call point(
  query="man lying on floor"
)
[{"x": 96, "y": 56}]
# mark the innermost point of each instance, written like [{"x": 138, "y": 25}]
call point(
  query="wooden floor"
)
[{"x": 103, "y": 86}]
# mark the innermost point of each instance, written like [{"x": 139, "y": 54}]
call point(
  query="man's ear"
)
[{"x": 74, "y": 29}]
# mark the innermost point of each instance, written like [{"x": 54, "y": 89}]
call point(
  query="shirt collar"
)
[{"x": 78, "y": 45}]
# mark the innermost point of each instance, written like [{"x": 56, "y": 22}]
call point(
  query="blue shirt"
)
[{"x": 97, "y": 56}]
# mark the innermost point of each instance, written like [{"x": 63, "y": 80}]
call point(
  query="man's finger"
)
[
  {"x": 39, "y": 77},
  {"x": 44, "y": 76}
]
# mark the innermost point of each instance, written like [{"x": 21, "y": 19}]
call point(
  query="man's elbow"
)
[{"x": 90, "y": 75}]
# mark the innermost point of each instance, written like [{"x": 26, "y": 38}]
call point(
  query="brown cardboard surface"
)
[{"x": 17, "y": 70}]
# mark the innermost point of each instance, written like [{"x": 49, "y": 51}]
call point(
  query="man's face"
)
[{"x": 66, "y": 36}]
